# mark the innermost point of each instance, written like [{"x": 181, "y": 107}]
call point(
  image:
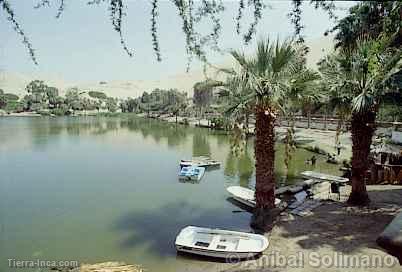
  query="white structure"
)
[{"x": 396, "y": 137}]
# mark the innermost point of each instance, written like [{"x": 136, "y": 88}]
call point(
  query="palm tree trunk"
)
[
  {"x": 264, "y": 157},
  {"x": 362, "y": 128}
]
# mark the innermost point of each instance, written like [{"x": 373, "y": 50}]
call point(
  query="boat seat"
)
[
  {"x": 391, "y": 238},
  {"x": 215, "y": 241}
]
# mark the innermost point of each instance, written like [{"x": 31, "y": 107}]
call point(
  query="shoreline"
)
[{"x": 314, "y": 140}]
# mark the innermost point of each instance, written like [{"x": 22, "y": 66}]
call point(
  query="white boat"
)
[
  {"x": 201, "y": 161},
  {"x": 191, "y": 173},
  {"x": 323, "y": 177},
  {"x": 220, "y": 243},
  {"x": 245, "y": 195}
]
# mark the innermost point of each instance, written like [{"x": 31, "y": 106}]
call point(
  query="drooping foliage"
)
[{"x": 193, "y": 14}]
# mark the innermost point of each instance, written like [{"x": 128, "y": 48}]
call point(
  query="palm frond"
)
[{"x": 363, "y": 103}]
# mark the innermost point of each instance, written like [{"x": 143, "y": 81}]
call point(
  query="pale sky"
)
[{"x": 82, "y": 46}]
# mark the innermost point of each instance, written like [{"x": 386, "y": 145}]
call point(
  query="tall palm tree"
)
[
  {"x": 358, "y": 81},
  {"x": 270, "y": 74}
]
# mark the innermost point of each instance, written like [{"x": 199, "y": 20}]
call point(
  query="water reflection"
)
[
  {"x": 127, "y": 169},
  {"x": 144, "y": 227},
  {"x": 240, "y": 165},
  {"x": 43, "y": 132},
  {"x": 201, "y": 145}
]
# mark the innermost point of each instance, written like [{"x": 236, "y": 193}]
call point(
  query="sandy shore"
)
[
  {"x": 333, "y": 233},
  {"x": 19, "y": 114}
]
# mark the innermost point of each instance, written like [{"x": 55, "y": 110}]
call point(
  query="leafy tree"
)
[
  {"x": 123, "y": 106},
  {"x": 361, "y": 78},
  {"x": 177, "y": 102},
  {"x": 132, "y": 104},
  {"x": 145, "y": 98},
  {"x": 40, "y": 96},
  {"x": 3, "y": 101},
  {"x": 73, "y": 99},
  {"x": 111, "y": 104},
  {"x": 203, "y": 94},
  {"x": 36, "y": 86},
  {"x": 52, "y": 96},
  {"x": 370, "y": 19}
]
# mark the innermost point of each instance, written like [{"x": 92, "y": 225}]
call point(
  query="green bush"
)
[
  {"x": 14, "y": 106},
  {"x": 60, "y": 111},
  {"x": 186, "y": 122}
]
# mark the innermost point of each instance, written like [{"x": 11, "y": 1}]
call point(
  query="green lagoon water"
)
[{"x": 106, "y": 189}]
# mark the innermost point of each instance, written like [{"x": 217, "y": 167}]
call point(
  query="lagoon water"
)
[{"x": 99, "y": 189}]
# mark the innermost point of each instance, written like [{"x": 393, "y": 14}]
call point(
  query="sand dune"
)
[{"x": 14, "y": 82}]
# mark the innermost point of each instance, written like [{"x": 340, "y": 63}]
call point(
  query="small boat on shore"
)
[
  {"x": 220, "y": 243},
  {"x": 191, "y": 173},
  {"x": 201, "y": 161},
  {"x": 245, "y": 195},
  {"x": 323, "y": 177}
]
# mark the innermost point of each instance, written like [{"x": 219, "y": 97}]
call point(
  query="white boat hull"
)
[
  {"x": 233, "y": 255},
  {"x": 200, "y": 162},
  {"x": 323, "y": 177},
  {"x": 244, "y": 201},
  {"x": 220, "y": 243},
  {"x": 245, "y": 196}
]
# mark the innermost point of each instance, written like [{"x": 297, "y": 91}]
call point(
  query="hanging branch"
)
[
  {"x": 195, "y": 42},
  {"x": 295, "y": 19},
  {"x": 210, "y": 9},
  {"x": 42, "y": 3},
  {"x": 60, "y": 9},
  {"x": 327, "y": 6},
  {"x": 258, "y": 7},
  {"x": 154, "y": 30},
  {"x": 239, "y": 16},
  {"x": 185, "y": 13},
  {"x": 5, "y": 5},
  {"x": 116, "y": 16}
]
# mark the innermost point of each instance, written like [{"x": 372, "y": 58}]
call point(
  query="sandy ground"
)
[
  {"x": 327, "y": 240},
  {"x": 324, "y": 139}
]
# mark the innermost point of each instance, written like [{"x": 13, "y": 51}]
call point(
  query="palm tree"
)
[
  {"x": 271, "y": 73},
  {"x": 358, "y": 80},
  {"x": 239, "y": 97},
  {"x": 305, "y": 93}
]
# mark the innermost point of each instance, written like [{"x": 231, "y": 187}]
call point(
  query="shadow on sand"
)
[{"x": 343, "y": 228}]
